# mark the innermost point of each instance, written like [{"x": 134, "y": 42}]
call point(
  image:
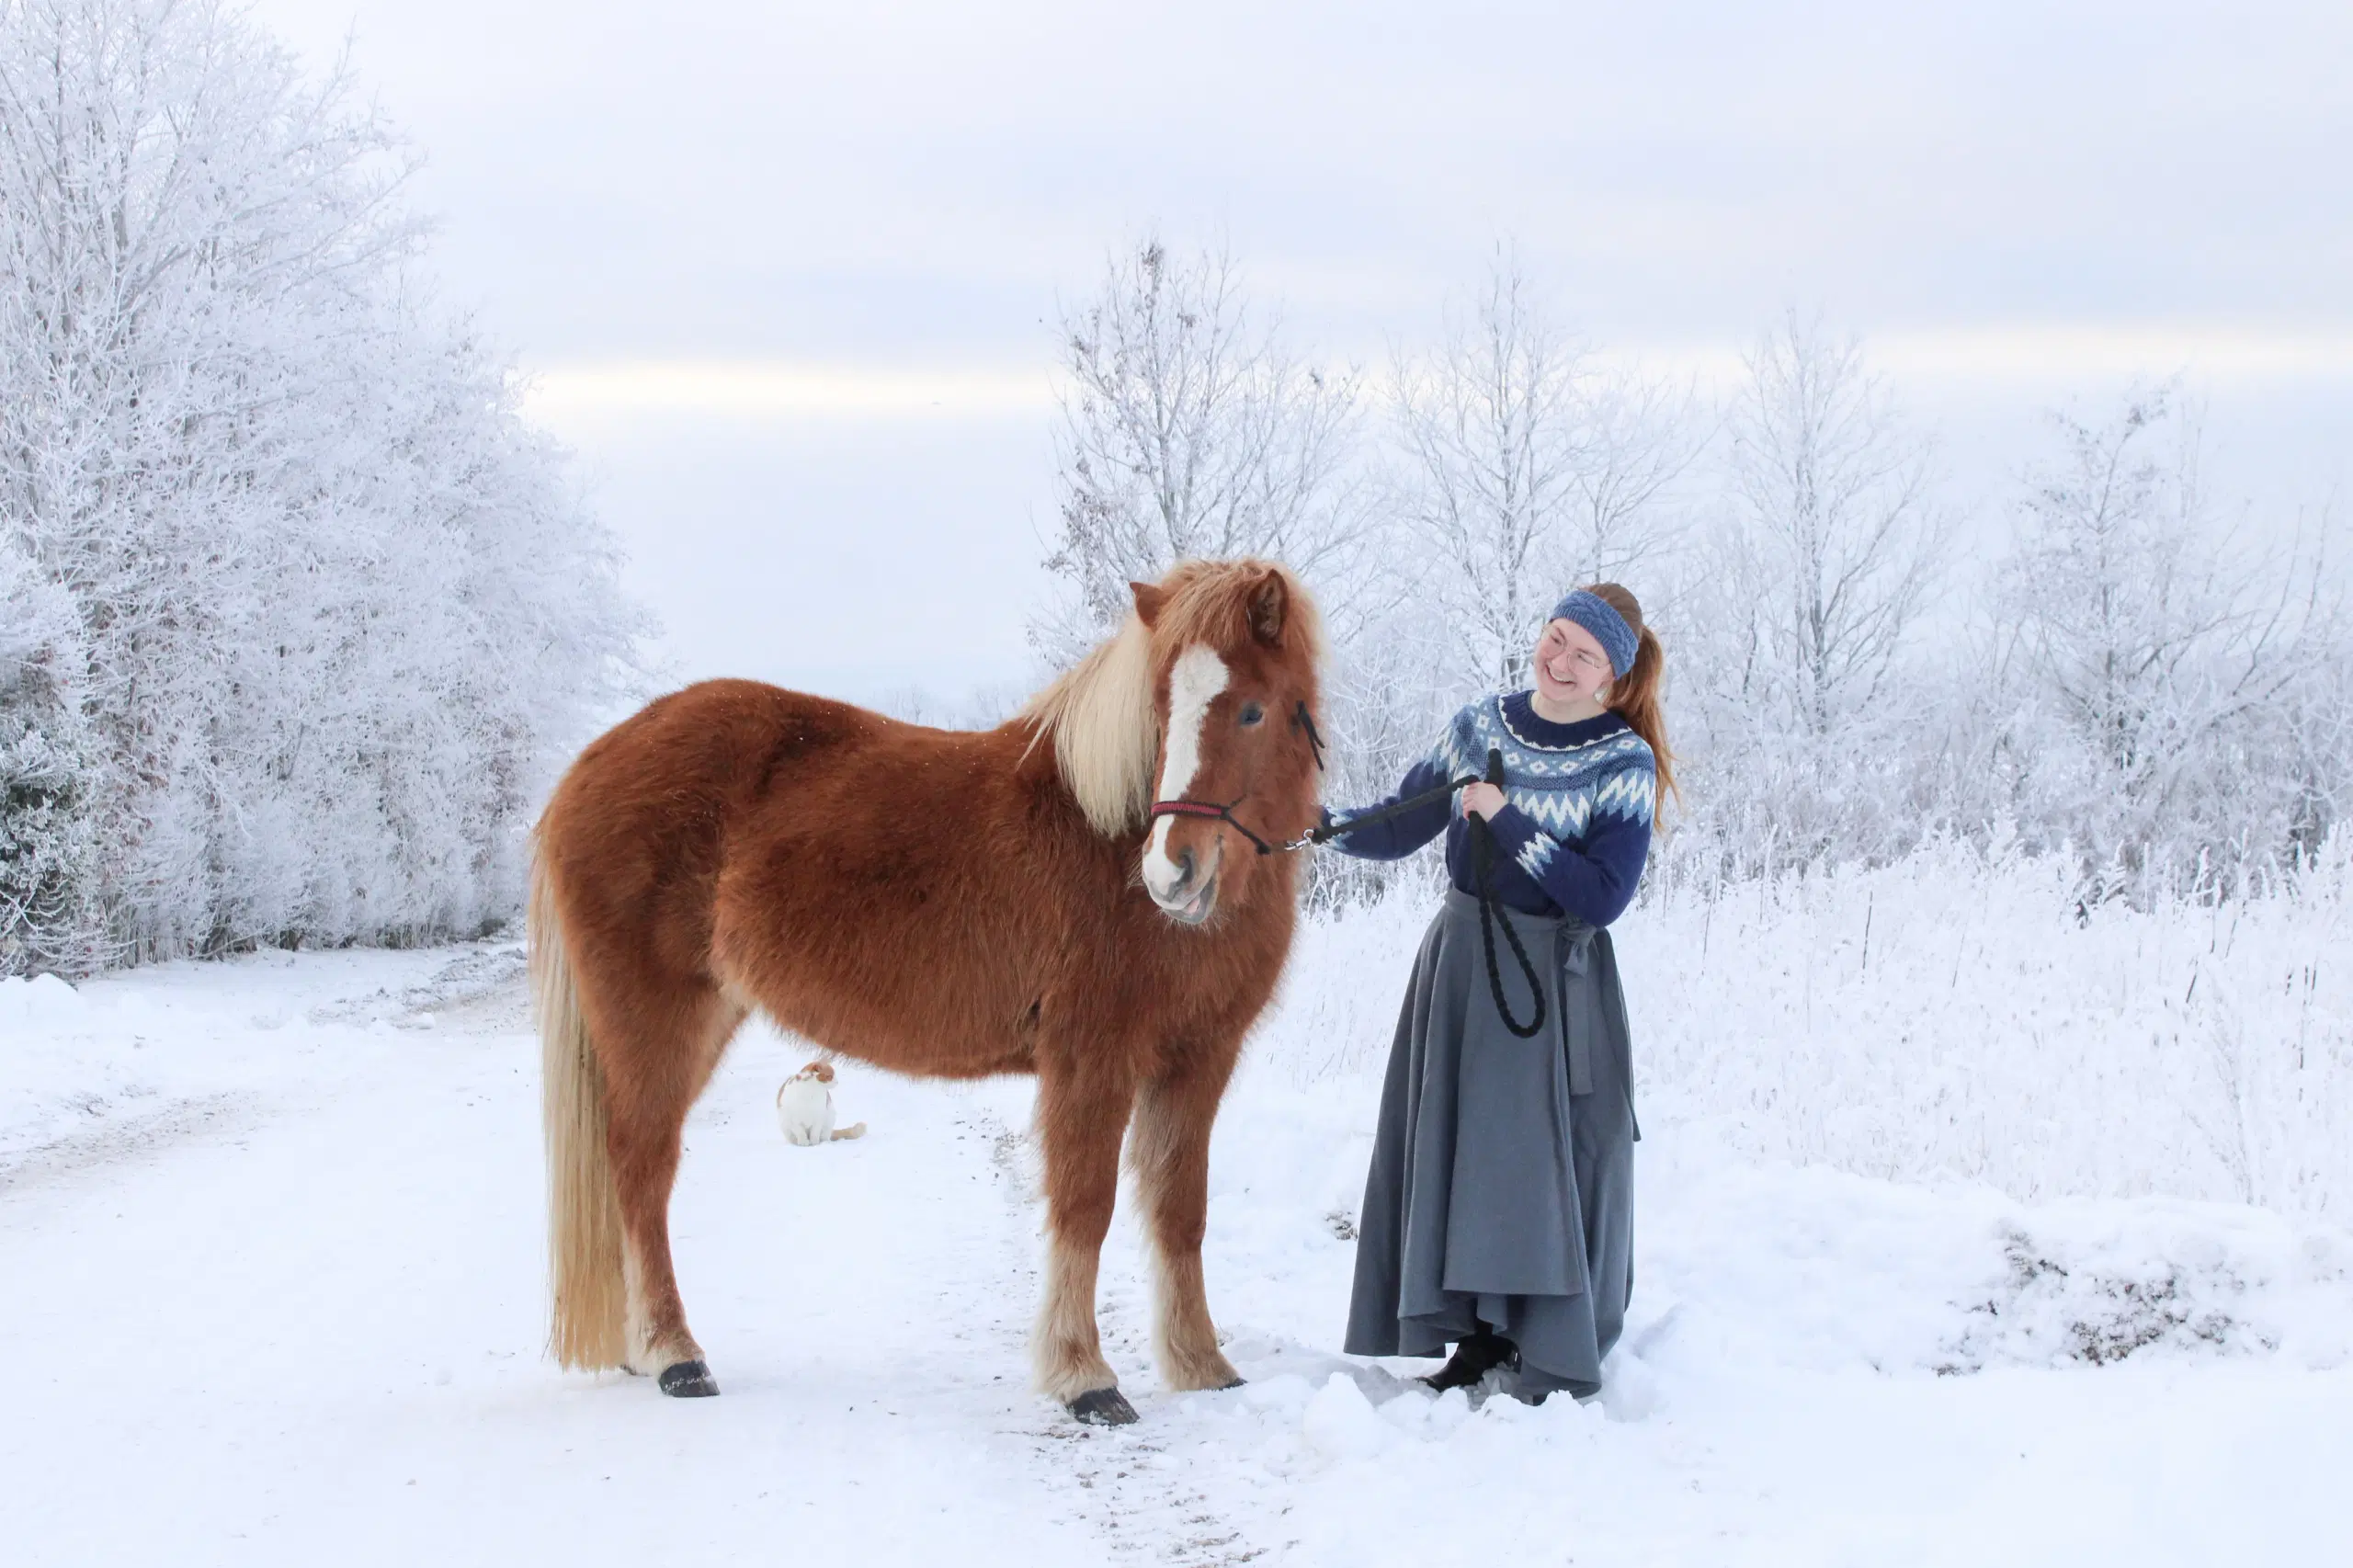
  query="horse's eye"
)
[{"x": 1252, "y": 714}]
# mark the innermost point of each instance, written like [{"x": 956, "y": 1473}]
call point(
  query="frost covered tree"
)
[
  {"x": 312, "y": 614},
  {"x": 2174, "y": 669},
  {"x": 1837, "y": 535},
  {"x": 1642, "y": 436},
  {"x": 1188, "y": 429},
  {"x": 1809, "y": 712},
  {"x": 1526, "y": 468}
]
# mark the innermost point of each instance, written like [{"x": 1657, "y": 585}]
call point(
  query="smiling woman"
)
[{"x": 1498, "y": 1208}]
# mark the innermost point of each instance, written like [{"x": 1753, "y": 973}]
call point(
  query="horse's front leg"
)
[
  {"x": 1082, "y": 1117},
  {"x": 1171, "y": 1155}
]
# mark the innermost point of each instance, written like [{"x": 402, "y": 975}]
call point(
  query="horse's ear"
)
[
  {"x": 1268, "y": 601},
  {"x": 1150, "y": 597}
]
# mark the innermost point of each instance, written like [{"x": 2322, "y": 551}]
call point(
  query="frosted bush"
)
[
  {"x": 1958, "y": 1014},
  {"x": 1955, "y": 1016},
  {"x": 300, "y": 615}
]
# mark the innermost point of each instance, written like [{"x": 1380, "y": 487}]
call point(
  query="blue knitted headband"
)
[{"x": 1592, "y": 611}]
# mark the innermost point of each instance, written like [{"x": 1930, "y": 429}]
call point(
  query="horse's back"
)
[
  {"x": 814, "y": 857},
  {"x": 634, "y": 836}
]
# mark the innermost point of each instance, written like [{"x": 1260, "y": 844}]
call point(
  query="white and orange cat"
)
[{"x": 804, "y": 1108}]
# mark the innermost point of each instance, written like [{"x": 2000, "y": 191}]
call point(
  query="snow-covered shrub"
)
[
  {"x": 50, "y": 883},
  {"x": 1962, "y": 1013},
  {"x": 1958, "y": 1016},
  {"x": 330, "y": 614}
]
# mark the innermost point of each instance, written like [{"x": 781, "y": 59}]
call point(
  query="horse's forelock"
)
[{"x": 1208, "y": 602}]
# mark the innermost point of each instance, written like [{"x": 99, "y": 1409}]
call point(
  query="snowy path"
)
[
  {"x": 314, "y": 1335},
  {"x": 270, "y": 1239}
]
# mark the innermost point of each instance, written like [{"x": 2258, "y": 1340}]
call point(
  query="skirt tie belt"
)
[{"x": 1572, "y": 957}]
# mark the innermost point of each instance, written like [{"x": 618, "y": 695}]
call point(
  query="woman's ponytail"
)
[{"x": 1635, "y": 696}]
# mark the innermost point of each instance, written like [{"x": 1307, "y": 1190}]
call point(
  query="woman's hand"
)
[{"x": 1482, "y": 800}]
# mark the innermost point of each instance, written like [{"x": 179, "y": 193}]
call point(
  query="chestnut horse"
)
[{"x": 940, "y": 904}]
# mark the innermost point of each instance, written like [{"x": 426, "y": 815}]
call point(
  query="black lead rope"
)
[
  {"x": 1482, "y": 873},
  {"x": 1483, "y": 863}
]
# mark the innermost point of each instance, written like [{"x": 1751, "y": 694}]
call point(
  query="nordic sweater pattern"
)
[{"x": 1575, "y": 827}]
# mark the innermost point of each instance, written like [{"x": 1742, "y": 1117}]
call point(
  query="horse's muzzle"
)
[
  {"x": 1192, "y": 898},
  {"x": 1192, "y": 910}
]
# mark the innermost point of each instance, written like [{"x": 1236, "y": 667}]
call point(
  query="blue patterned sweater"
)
[{"x": 1575, "y": 826}]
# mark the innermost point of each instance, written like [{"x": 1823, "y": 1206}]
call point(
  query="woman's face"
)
[{"x": 1570, "y": 665}]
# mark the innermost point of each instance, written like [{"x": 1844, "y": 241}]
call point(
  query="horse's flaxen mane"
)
[
  {"x": 1100, "y": 710},
  {"x": 1106, "y": 734}
]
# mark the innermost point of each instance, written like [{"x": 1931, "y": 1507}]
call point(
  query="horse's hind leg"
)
[
  {"x": 1170, "y": 1154},
  {"x": 652, "y": 1083},
  {"x": 1082, "y": 1115}
]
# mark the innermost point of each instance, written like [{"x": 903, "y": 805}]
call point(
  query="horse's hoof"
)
[
  {"x": 1234, "y": 1384},
  {"x": 1103, "y": 1407},
  {"x": 691, "y": 1380}
]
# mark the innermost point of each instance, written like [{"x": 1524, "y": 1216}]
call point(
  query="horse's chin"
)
[{"x": 1195, "y": 911}]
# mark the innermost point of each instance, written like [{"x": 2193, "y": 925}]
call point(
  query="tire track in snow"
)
[
  {"x": 126, "y": 1140},
  {"x": 1145, "y": 1502},
  {"x": 480, "y": 990}
]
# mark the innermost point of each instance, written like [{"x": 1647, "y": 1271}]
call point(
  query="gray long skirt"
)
[{"x": 1502, "y": 1182}]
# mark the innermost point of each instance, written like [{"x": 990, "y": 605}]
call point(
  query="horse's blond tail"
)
[{"x": 584, "y": 1207}]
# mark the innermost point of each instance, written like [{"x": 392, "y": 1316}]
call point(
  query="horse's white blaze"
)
[{"x": 1194, "y": 683}]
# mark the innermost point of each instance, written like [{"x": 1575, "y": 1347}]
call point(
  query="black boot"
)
[{"x": 1474, "y": 1358}]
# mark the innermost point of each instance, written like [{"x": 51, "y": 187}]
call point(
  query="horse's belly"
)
[
  {"x": 903, "y": 999},
  {"x": 882, "y": 945},
  {"x": 927, "y": 1047}
]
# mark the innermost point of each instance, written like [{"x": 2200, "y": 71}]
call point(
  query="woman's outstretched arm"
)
[{"x": 1400, "y": 836}]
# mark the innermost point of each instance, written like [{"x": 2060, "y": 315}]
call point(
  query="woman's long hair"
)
[{"x": 1634, "y": 696}]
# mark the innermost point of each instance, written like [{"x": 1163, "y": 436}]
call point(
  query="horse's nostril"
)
[{"x": 1185, "y": 868}]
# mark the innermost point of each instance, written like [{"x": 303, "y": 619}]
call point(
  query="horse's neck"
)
[{"x": 1035, "y": 770}]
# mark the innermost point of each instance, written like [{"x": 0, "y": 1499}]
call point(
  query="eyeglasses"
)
[{"x": 1584, "y": 656}]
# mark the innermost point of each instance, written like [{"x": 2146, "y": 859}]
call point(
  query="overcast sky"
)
[{"x": 788, "y": 275}]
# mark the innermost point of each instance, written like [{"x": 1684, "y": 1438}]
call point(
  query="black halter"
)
[{"x": 1300, "y": 718}]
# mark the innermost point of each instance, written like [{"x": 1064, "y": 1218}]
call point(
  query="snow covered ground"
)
[{"x": 270, "y": 1235}]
